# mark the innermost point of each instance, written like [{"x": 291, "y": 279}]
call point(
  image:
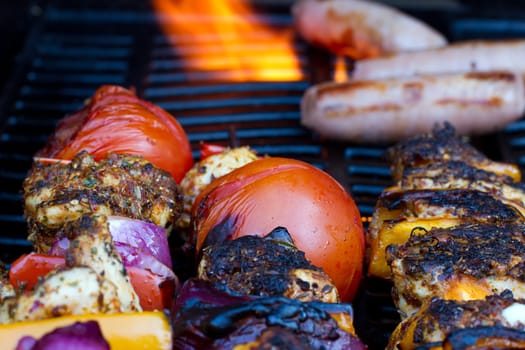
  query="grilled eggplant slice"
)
[
  {"x": 442, "y": 145},
  {"x": 438, "y": 320},
  {"x": 123, "y": 185},
  {"x": 268, "y": 266},
  {"x": 461, "y": 263},
  {"x": 400, "y": 214},
  {"x": 205, "y": 318}
]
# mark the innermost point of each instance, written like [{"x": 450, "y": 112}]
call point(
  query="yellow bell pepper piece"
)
[
  {"x": 123, "y": 331},
  {"x": 398, "y": 232}
]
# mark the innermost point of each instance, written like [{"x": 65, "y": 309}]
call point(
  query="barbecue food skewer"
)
[
  {"x": 93, "y": 281},
  {"x": 449, "y": 234},
  {"x": 400, "y": 214}
]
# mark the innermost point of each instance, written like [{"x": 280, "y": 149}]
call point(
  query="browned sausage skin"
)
[
  {"x": 392, "y": 109},
  {"x": 460, "y": 57},
  {"x": 362, "y": 29}
]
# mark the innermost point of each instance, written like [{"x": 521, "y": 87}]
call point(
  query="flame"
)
[
  {"x": 341, "y": 70},
  {"x": 228, "y": 41}
]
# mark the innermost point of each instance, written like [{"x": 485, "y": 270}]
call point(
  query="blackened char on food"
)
[{"x": 268, "y": 266}]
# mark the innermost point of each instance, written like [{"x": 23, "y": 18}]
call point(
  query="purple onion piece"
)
[
  {"x": 132, "y": 256},
  {"x": 78, "y": 336},
  {"x": 205, "y": 293},
  {"x": 26, "y": 343},
  {"x": 60, "y": 247},
  {"x": 204, "y": 318},
  {"x": 143, "y": 235}
]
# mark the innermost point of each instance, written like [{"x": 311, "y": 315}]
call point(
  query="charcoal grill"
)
[{"x": 71, "y": 48}]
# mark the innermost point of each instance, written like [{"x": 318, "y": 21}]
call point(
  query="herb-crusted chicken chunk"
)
[
  {"x": 123, "y": 185},
  {"x": 442, "y": 145},
  {"x": 268, "y": 266},
  {"x": 462, "y": 262}
]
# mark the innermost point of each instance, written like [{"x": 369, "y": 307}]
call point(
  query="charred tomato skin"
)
[{"x": 318, "y": 212}]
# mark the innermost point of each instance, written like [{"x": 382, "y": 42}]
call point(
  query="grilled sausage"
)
[
  {"x": 361, "y": 28},
  {"x": 461, "y": 57},
  {"x": 394, "y": 109}
]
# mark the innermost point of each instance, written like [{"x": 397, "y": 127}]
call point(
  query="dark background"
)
[{"x": 15, "y": 20}]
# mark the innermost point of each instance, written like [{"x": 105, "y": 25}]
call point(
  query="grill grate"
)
[{"x": 76, "y": 47}]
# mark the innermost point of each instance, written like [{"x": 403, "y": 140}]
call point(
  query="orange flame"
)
[
  {"x": 226, "y": 39},
  {"x": 341, "y": 70}
]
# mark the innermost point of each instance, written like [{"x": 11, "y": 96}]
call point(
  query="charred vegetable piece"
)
[
  {"x": 268, "y": 266},
  {"x": 400, "y": 214},
  {"x": 204, "y": 318},
  {"x": 442, "y": 145},
  {"x": 461, "y": 263},
  {"x": 439, "y": 319},
  {"x": 117, "y": 185}
]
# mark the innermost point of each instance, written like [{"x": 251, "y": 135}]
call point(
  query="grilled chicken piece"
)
[
  {"x": 93, "y": 281},
  {"x": 268, "y": 266},
  {"x": 442, "y": 145},
  {"x": 73, "y": 291},
  {"x": 460, "y": 263},
  {"x": 92, "y": 245},
  {"x": 455, "y": 175},
  {"x": 400, "y": 214},
  {"x": 438, "y": 319},
  {"x": 207, "y": 170},
  {"x": 118, "y": 185}
]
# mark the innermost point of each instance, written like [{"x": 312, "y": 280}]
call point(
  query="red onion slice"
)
[
  {"x": 143, "y": 235},
  {"x": 60, "y": 247},
  {"x": 132, "y": 256},
  {"x": 78, "y": 336}
]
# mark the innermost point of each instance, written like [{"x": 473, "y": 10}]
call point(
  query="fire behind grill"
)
[{"x": 72, "y": 49}]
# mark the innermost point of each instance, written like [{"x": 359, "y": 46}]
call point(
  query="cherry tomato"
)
[
  {"x": 320, "y": 215},
  {"x": 209, "y": 149},
  {"x": 29, "y": 268},
  {"x": 117, "y": 121},
  {"x": 154, "y": 292}
]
